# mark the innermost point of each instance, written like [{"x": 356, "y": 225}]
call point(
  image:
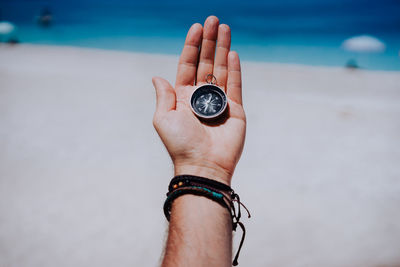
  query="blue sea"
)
[{"x": 303, "y": 32}]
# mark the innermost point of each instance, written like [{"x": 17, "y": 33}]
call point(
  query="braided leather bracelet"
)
[{"x": 216, "y": 191}]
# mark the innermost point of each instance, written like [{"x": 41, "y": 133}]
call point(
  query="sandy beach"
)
[{"x": 83, "y": 174}]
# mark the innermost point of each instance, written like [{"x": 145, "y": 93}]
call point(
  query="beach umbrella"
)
[
  {"x": 8, "y": 32},
  {"x": 6, "y": 27},
  {"x": 364, "y": 44}
]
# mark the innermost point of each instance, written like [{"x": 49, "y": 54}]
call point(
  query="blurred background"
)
[
  {"x": 83, "y": 174},
  {"x": 304, "y": 32}
]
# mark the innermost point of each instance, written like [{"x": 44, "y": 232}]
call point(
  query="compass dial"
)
[{"x": 208, "y": 101}]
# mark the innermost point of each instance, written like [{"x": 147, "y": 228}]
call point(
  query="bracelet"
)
[
  {"x": 213, "y": 190},
  {"x": 189, "y": 179}
]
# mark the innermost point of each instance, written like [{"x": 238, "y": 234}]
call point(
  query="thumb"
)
[{"x": 165, "y": 93}]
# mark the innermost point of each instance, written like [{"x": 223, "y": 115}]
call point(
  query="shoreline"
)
[{"x": 282, "y": 64}]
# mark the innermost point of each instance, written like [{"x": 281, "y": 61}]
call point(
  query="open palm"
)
[{"x": 198, "y": 148}]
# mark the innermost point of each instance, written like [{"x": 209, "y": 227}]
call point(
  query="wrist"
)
[{"x": 206, "y": 170}]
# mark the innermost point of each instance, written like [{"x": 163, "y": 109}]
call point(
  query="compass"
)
[{"x": 208, "y": 101}]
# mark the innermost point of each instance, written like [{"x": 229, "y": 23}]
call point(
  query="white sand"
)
[{"x": 83, "y": 174}]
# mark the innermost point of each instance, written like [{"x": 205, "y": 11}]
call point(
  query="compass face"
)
[{"x": 208, "y": 101}]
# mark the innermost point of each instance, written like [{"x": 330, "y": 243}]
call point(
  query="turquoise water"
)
[{"x": 302, "y": 32}]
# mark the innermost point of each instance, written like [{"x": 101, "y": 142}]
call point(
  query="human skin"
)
[{"x": 200, "y": 230}]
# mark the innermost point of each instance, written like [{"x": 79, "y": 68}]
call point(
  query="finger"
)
[
  {"x": 207, "y": 51},
  {"x": 188, "y": 60},
  {"x": 221, "y": 56},
  {"x": 165, "y": 94},
  {"x": 234, "y": 84}
]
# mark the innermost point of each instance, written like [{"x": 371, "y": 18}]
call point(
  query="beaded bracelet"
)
[
  {"x": 216, "y": 191},
  {"x": 182, "y": 180}
]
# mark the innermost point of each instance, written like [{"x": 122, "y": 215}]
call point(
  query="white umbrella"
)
[
  {"x": 6, "y": 27},
  {"x": 364, "y": 44}
]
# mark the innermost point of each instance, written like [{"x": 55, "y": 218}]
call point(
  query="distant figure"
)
[
  {"x": 13, "y": 41},
  {"x": 46, "y": 18},
  {"x": 352, "y": 64}
]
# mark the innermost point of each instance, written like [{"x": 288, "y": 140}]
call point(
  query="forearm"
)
[
  {"x": 200, "y": 229},
  {"x": 200, "y": 233}
]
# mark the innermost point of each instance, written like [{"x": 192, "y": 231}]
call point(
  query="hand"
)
[{"x": 197, "y": 148}]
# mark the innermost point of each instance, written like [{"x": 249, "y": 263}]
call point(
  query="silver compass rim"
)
[{"x": 225, "y": 101}]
